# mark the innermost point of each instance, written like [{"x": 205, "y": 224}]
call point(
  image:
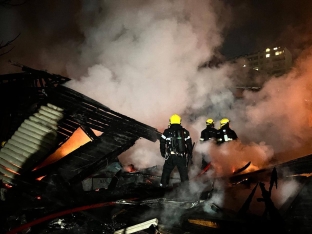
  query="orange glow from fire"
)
[
  {"x": 252, "y": 168},
  {"x": 8, "y": 169},
  {"x": 8, "y": 186},
  {"x": 233, "y": 169},
  {"x": 130, "y": 168},
  {"x": 78, "y": 139},
  {"x": 40, "y": 178}
]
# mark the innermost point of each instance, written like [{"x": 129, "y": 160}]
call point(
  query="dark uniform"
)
[
  {"x": 225, "y": 134},
  {"x": 176, "y": 148},
  {"x": 209, "y": 133}
]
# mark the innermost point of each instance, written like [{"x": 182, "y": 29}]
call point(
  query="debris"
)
[
  {"x": 138, "y": 227},
  {"x": 242, "y": 168},
  {"x": 206, "y": 223}
]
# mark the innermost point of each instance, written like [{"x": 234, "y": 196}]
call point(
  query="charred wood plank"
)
[
  {"x": 76, "y": 102},
  {"x": 113, "y": 129},
  {"x": 67, "y": 125},
  {"x": 100, "y": 164},
  {"x": 100, "y": 116},
  {"x": 82, "y": 122},
  {"x": 75, "y": 161},
  {"x": 88, "y": 132}
]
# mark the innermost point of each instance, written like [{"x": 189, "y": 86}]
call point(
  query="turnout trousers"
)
[{"x": 169, "y": 165}]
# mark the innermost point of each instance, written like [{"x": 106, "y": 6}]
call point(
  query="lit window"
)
[
  {"x": 244, "y": 65},
  {"x": 278, "y": 52},
  {"x": 267, "y": 50},
  {"x": 275, "y": 48},
  {"x": 256, "y": 68},
  {"x": 267, "y": 55}
]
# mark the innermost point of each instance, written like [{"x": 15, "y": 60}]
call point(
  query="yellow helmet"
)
[
  {"x": 224, "y": 121},
  {"x": 209, "y": 121},
  {"x": 175, "y": 119}
]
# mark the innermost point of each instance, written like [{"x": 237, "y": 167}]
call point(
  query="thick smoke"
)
[
  {"x": 144, "y": 59},
  {"x": 279, "y": 114}
]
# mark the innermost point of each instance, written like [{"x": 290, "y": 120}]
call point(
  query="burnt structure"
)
[
  {"x": 22, "y": 93},
  {"x": 49, "y": 115}
]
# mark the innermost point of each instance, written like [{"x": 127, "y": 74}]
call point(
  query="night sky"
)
[
  {"x": 257, "y": 24},
  {"x": 252, "y": 25}
]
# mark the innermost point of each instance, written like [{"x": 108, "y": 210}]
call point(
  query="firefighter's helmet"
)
[
  {"x": 223, "y": 122},
  {"x": 175, "y": 119},
  {"x": 209, "y": 122}
]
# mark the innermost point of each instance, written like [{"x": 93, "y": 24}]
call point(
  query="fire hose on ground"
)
[{"x": 66, "y": 212}]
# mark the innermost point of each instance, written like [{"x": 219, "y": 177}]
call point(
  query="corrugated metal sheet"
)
[{"x": 32, "y": 142}]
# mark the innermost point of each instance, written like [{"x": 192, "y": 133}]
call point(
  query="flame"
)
[
  {"x": 130, "y": 168},
  {"x": 40, "y": 178},
  {"x": 8, "y": 186},
  {"x": 252, "y": 168}
]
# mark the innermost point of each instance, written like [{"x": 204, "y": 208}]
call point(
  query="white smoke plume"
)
[
  {"x": 279, "y": 114},
  {"x": 143, "y": 59}
]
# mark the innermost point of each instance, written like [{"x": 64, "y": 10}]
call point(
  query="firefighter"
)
[
  {"x": 208, "y": 134},
  {"x": 225, "y": 133},
  {"x": 176, "y": 148}
]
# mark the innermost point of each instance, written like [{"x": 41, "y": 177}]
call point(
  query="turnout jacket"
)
[
  {"x": 225, "y": 134},
  {"x": 208, "y": 133},
  {"x": 166, "y": 145}
]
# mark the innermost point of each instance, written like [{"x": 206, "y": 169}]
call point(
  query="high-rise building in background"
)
[
  {"x": 258, "y": 67},
  {"x": 272, "y": 61}
]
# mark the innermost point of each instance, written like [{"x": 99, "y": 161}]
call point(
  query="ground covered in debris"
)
[{"x": 251, "y": 204}]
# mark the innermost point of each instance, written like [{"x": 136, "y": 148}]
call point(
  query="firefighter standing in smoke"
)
[
  {"x": 176, "y": 148},
  {"x": 225, "y": 133},
  {"x": 209, "y": 133}
]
